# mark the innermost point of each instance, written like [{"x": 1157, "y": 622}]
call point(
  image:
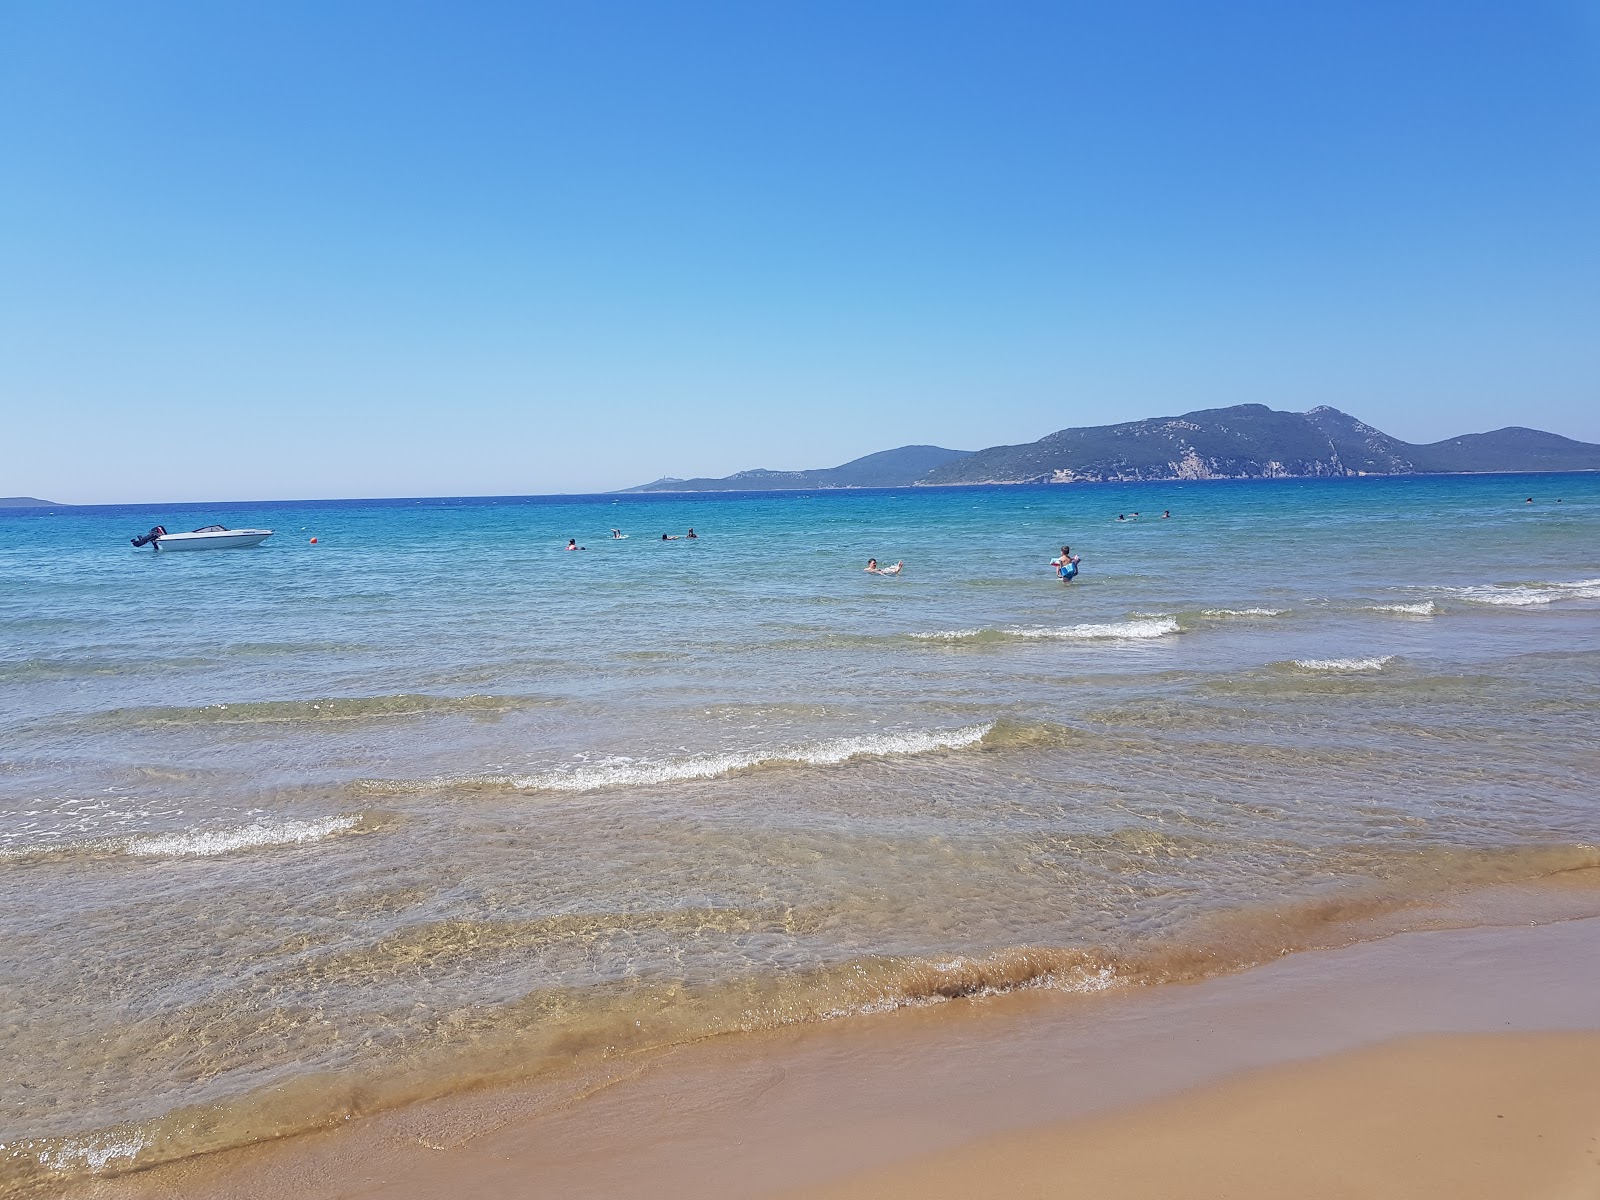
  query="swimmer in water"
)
[
  {"x": 572, "y": 544},
  {"x": 615, "y": 534},
  {"x": 874, "y": 569},
  {"x": 669, "y": 537},
  {"x": 1166, "y": 514},
  {"x": 1122, "y": 516},
  {"x": 692, "y": 533},
  {"x": 1067, "y": 565}
]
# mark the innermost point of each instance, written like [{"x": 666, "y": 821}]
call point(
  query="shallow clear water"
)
[{"x": 297, "y": 831}]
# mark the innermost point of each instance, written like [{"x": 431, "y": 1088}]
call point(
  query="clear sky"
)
[{"x": 299, "y": 249}]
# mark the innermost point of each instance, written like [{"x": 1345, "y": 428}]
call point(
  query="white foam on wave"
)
[
  {"x": 1426, "y": 608},
  {"x": 242, "y": 837},
  {"x": 1343, "y": 664},
  {"x": 95, "y": 1151},
  {"x": 625, "y": 772},
  {"x": 1529, "y": 595},
  {"x": 196, "y": 843},
  {"x": 1137, "y": 630},
  {"x": 1244, "y": 612}
]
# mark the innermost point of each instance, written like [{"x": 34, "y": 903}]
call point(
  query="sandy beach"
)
[
  {"x": 1416, "y": 1117},
  {"x": 1443, "y": 1062}
]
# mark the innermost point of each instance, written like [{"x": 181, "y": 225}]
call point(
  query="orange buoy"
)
[{"x": 313, "y": 541}]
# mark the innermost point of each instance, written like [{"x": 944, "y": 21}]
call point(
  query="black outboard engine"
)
[{"x": 158, "y": 531}]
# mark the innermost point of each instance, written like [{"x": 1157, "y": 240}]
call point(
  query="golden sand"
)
[{"x": 1469, "y": 1117}]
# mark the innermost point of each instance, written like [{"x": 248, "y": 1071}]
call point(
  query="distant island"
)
[
  {"x": 886, "y": 468},
  {"x": 1246, "y": 441},
  {"x": 27, "y": 502}
]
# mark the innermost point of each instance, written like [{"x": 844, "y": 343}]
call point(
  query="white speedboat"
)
[{"x": 207, "y": 537}]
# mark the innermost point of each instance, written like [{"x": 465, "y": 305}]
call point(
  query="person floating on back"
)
[
  {"x": 874, "y": 569},
  {"x": 1067, "y": 565}
]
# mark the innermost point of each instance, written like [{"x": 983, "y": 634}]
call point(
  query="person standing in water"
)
[{"x": 1067, "y": 565}]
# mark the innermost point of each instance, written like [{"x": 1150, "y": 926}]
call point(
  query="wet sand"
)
[{"x": 1220, "y": 1087}]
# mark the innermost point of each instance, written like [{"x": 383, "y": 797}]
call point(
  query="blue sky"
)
[{"x": 296, "y": 249}]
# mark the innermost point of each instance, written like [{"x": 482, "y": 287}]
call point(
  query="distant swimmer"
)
[
  {"x": 1166, "y": 514},
  {"x": 692, "y": 533},
  {"x": 670, "y": 537},
  {"x": 1067, "y": 565},
  {"x": 874, "y": 569},
  {"x": 1122, "y": 516},
  {"x": 572, "y": 544},
  {"x": 1529, "y": 500},
  {"x": 617, "y": 535}
]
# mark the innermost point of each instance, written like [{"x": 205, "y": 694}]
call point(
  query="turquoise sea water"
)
[{"x": 293, "y": 832}]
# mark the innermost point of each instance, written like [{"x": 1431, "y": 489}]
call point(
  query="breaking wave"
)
[
  {"x": 1344, "y": 664},
  {"x": 1223, "y": 614},
  {"x": 1528, "y": 595},
  {"x": 205, "y": 843},
  {"x": 622, "y": 771},
  {"x": 1425, "y": 608},
  {"x": 1137, "y": 629}
]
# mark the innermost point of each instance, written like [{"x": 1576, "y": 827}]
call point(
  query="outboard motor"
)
[{"x": 158, "y": 531}]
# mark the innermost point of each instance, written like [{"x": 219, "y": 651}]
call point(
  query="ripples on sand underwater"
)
[{"x": 293, "y": 834}]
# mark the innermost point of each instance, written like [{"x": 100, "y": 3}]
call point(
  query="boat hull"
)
[{"x": 232, "y": 539}]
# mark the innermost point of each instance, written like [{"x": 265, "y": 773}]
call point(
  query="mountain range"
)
[{"x": 1246, "y": 441}]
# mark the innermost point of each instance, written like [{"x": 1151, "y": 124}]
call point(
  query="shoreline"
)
[
  {"x": 547, "y": 1051},
  {"x": 1042, "y": 482},
  {"x": 811, "y": 1106}
]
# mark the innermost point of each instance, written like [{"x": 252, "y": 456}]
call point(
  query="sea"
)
[{"x": 410, "y": 799}]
